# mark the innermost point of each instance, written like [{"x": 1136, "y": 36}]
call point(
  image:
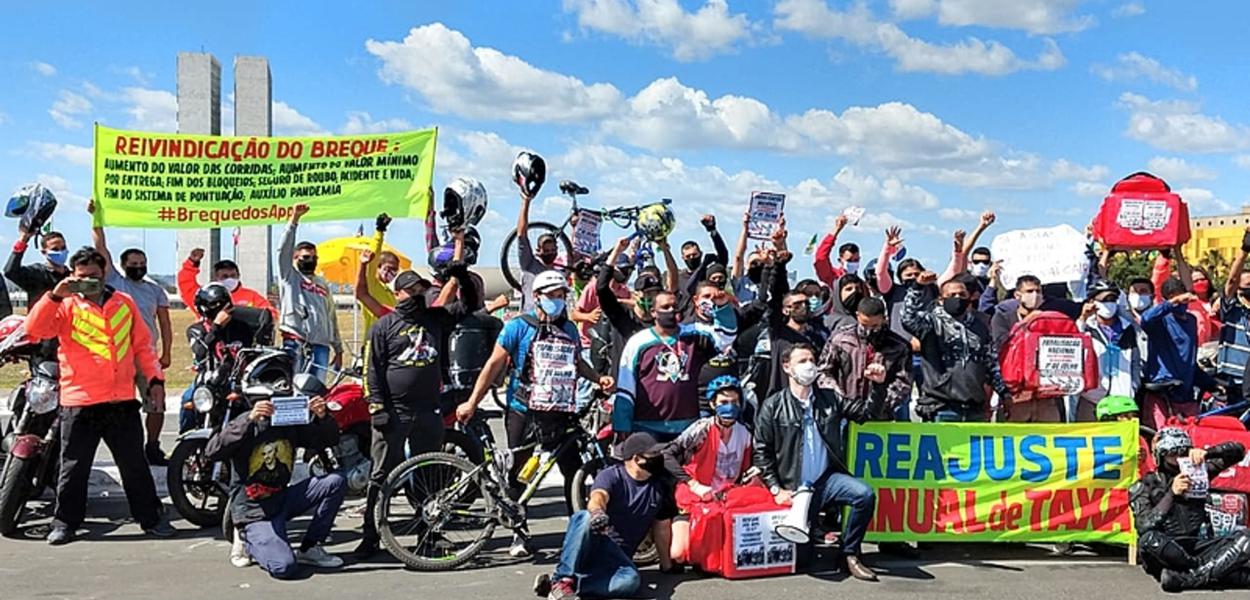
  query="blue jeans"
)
[
  {"x": 841, "y": 489},
  {"x": 188, "y": 418},
  {"x": 958, "y": 415},
  {"x": 320, "y": 358},
  {"x": 266, "y": 540},
  {"x": 597, "y": 563}
]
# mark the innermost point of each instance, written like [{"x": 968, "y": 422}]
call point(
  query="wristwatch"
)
[{"x": 774, "y": 490}]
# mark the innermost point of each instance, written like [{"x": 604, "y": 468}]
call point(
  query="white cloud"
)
[
  {"x": 1202, "y": 201},
  {"x": 66, "y": 108},
  {"x": 135, "y": 73},
  {"x": 858, "y": 26},
  {"x": 151, "y": 110},
  {"x": 455, "y": 77},
  {"x": 43, "y": 68},
  {"x": 697, "y": 35},
  {"x": 75, "y": 155},
  {"x": 1176, "y": 170},
  {"x": 959, "y": 214},
  {"x": 1129, "y": 9},
  {"x": 1242, "y": 160},
  {"x": 1042, "y": 17},
  {"x": 290, "y": 122},
  {"x": 1090, "y": 189},
  {"x": 360, "y": 122},
  {"x": 1132, "y": 66},
  {"x": 1178, "y": 126}
]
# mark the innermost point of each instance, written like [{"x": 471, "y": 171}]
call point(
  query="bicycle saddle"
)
[{"x": 571, "y": 187}]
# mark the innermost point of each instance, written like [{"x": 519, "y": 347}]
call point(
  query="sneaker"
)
[
  {"x": 542, "y": 585},
  {"x": 239, "y": 557},
  {"x": 562, "y": 590},
  {"x": 156, "y": 457},
  {"x": 160, "y": 530},
  {"x": 318, "y": 557},
  {"x": 520, "y": 548},
  {"x": 60, "y": 535}
]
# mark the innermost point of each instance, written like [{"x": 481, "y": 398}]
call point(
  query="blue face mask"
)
[
  {"x": 814, "y": 304},
  {"x": 728, "y": 412},
  {"x": 554, "y": 307},
  {"x": 58, "y": 257}
]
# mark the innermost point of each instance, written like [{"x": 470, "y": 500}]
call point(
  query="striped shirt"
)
[{"x": 1234, "y": 341}]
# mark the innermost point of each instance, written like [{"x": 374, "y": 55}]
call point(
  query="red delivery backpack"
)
[
  {"x": 734, "y": 538},
  {"x": 1142, "y": 213},
  {"x": 1046, "y": 357},
  {"x": 1212, "y": 431}
]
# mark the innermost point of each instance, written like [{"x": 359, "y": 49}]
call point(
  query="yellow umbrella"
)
[{"x": 339, "y": 258}]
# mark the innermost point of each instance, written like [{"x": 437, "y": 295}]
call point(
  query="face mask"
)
[
  {"x": 980, "y": 269},
  {"x": 1031, "y": 300},
  {"x": 1244, "y": 293},
  {"x": 652, "y": 465},
  {"x": 58, "y": 257},
  {"x": 666, "y": 318},
  {"x": 553, "y": 307},
  {"x": 231, "y": 283},
  {"x": 387, "y": 276},
  {"x": 693, "y": 263},
  {"x": 1202, "y": 288},
  {"x": 706, "y": 308},
  {"x": 755, "y": 273},
  {"x": 851, "y": 303},
  {"x": 852, "y": 266},
  {"x": 955, "y": 307},
  {"x": 728, "y": 412},
  {"x": 411, "y": 303},
  {"x": 307, "y": 266},
  {"x": 1106, "y": 310},
  {"x": 1138, "y": 301},
  {"x": 546, "y": 258},
  {"x": 136, "y": 273},
  {"x": 868, "y": 334},
  {"x": 805, "y": 374},
  {"x": 645, "y": 304},
  {"x": 814, "y": 304}
]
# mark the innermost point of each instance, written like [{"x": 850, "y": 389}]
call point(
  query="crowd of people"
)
[{"x": 723, "y": 375}]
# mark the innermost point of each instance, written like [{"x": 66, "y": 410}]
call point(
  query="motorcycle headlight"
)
[
  {"x": 202, "y": 398},
  {"x": 41, "y": 396}
]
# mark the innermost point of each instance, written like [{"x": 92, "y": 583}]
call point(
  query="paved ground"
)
[{"x": 112, "y": 560}]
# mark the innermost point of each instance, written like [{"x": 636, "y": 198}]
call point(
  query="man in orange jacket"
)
[
  {"x": 225, "y": 272},
  {"x": 102, "y": 342}
]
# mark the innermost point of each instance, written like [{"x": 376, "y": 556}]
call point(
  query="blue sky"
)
[{"x": 925, "y": 112}]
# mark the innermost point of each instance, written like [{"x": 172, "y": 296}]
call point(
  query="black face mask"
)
[
  {"x": 1244, "y": 292},
  {"x": 851, "y": 303},
  {"x": 621, "y": 275},
  {"x": 693, "y": 263},
  {"x": 136, "y": 273},
  {"x": 755, "y": 273},
  {"x": 652, "y": 465},
  {"x": 666, "y": 318},
  {"x": 955, "y": 307},
  {"x": 869, "y": 334},
  {"x": 411, "y": 304},
  {"x": 547, "y": 259},
  {"x": 307, "y": 266}
]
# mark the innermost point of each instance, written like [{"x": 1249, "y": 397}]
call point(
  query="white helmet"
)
[
  {"x": 549, "y": 281},
  {"x": 464, "y": 202}
]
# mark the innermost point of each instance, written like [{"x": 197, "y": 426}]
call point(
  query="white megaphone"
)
[{"x": 794, "y": 528}]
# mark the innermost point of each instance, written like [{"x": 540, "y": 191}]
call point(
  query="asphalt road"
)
[{"x": 112, "y": 560}]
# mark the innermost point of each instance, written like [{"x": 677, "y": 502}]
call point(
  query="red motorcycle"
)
[{"x": 32, "y": 438}]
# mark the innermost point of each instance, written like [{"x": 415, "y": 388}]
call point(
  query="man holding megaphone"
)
[{"x": 800, "y": 452}]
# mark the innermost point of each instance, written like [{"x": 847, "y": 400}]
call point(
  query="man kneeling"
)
[
  {"x": 626, "y": 500},
  {"x": 262, "y": 457}
]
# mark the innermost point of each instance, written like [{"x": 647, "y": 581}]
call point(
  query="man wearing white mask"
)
[
  {"x": 1115, "y": 342},
  {"x": 799, "y": 448},
  {"x": 225, "y": 272}
]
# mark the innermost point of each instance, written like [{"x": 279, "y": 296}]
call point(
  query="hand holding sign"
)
[{"x": 854, "y": 214}]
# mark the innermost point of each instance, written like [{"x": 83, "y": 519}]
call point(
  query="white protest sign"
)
[
  {"x": 764, "y": 214},
  {"x": 1052, "y": 254},
  {"x": 1061, "y": 363},
  {"x": 854, "y": 214},
  {"x": 290, "y": 410},
  {"x": 586, "y": 234},
  {"x": 756, "y": 546}
]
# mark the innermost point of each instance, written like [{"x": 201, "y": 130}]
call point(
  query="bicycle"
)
[
  {"x": 437, "y": 510},
  {"x": 625, "y": 217}
]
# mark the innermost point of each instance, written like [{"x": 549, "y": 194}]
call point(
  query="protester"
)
[
  {"x": 309, "y": 315},
  {"x": 620, "y": 321},
  {"x": 789, "y": 323},
  {"x": 627, "y": 500},
  {"x": 799, "y": 448},
  {"x": 958, "y": 359},
  {"x": 1188, "y": 276},
  {"x": 37, "y": 279},
  {"x": 403, "y": 378},
  {"x": 544, "y": 350},
  {"x": 1115, "y": 342},
  {"x": 380, "y": 272},
  {"x": 532, "y": 265},
  {"x": 220, "y": 323},
  {"x": 225, "y": 272},
  {"x": 1234, "y": 352},
  {"x": 1170, "y": 523},
  {"x": 695, "y": 261},
  {"x": 866, "y": 362},
  {"x": 153, "y": 305},
  {"x": 708, "y": 458},
  {"x": 99, "y": 333},
  {"x": 848, "y": 256},
  {"x": 262, "y": 459},
  {"x": 1171, "y": 371},
  {"x": 746, "y": 282}
]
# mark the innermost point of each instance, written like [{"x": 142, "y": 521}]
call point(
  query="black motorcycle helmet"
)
[
  {"x": 529, "y": 171},
  {"x": 211, "y": 299}
]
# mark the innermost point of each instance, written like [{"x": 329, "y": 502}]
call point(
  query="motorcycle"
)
[
  {"x": 345, "y": 400},
  {"x": 33, "y": 442}
]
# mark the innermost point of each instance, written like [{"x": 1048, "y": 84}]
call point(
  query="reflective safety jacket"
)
[{"x": 100, "y": 346}]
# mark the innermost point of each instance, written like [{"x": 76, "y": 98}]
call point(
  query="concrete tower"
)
[
  {"x": 253, "y": 116},
  {"x": 199, "y": 112}
]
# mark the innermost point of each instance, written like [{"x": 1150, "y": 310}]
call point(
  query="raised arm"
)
[
  {"x": 670, "y": 265},
  {"x": 893, "y": 241},
  {"x": 361, "y": 289},
  {"x": 917, "y": 314},
  {"x": 525, "y": 259},
  {"x": 1234, "y": 272},
  {"x": 959, "y": 260},
  {"x": 822, "y": 262},
  {"x": 987, "y": 219},
  {"x": 188, "y": 278},
  {"x": 1183, "y": 271},
  {"x": 286, "y": 248},
  {"x": 741, "y": 251},
  {"x": 99, "y": 241}
]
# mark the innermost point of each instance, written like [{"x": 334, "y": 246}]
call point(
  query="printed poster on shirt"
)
[
  {"x": 1061, "y": 363},
  {"x": 554, "y": 385},
  {"x": 586, "y": 240},
  {"x": 755, "y": 544},
  {"x": 764, "y": 214},
  {"x": 1143, "y": 216}
]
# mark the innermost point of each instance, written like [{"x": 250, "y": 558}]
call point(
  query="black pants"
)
[
  {"x": 549, "y": 429},
  {"x": 1161, "y": 551},
  {"x": 392, "y": 434},
  {"x": 119, "y": 425}
]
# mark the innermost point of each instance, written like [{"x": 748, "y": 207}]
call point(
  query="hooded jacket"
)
[
  {"x": 307, "y": 305},
  {"x": 847, "y": 354},
  {"x": 957, "y": 357}
]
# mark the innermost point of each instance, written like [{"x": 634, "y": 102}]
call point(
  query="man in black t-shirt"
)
[{"x": 626, "y": 501}]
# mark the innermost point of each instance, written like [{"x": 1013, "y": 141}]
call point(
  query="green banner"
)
[
  {"x": 998, "y": 482},
  {"x": 172, "y": 181}
]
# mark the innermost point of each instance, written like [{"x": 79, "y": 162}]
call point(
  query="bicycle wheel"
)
[
  {"x": 448, "y": 521},
  {"x": 509, "y": 256}
]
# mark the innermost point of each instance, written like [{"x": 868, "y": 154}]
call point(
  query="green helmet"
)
[{"x": 1114, "y": 406}]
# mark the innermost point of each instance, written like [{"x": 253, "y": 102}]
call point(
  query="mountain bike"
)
[{"x": 625, "y": 217}]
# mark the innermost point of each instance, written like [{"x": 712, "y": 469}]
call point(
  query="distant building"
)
[{"x": 1221, "y": 233}]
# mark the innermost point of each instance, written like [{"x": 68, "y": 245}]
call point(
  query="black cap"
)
[
  {"x": 639, "y": 444},
  {"x": 408, "y": 280},
  {"x": 715, "y": 268},
  {"x": 646, "y": 282}
]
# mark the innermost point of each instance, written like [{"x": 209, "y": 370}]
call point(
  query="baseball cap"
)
[
  {"x": 408, "y": 280},
  {"x": 646, "y": 282},
  {"x": 639, "y": 444}
]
